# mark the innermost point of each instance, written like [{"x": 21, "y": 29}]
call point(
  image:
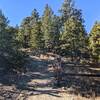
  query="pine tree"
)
[
  {"x": 36, "y": 36},
  {"x": 73, "y": 37},
  {"x": 3, "y": 35},
  {"x": 9, "y": 48},
  {"x": 66, "y": 10},
  {"x": 13, "y": 50},
  {"x": 34, "y": 18},
  {"x": 25, "y": 30},
  {"x": 47, "y": 27},
  {"x": 94, "y": 41},
  {"x": 56, "y": 24},
  {"x": 20, "y": 37},
  {"x": 73, "y": 32}
]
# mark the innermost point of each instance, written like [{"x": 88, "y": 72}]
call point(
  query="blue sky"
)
[{"x": 16, "y": 10}]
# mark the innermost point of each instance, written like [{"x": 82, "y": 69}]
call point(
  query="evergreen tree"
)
[
  {"x": 13, "y": 50},
  {"x": 73, "y": 32},
  {"x": 94, "y": 41},
  {"x": 51, "y": 30},
  {"x": 47, "y": 27},
  {"x": 3, "y": 35},
  {"x": 66, "y": 10},
  {"x": 34, "y": 17},
  {"x": 20, "y": 37},
  {"x": 9, "y": 48},
  {"x": 25, "y": 31},
  {"x": 56, "y": 24},
  {"x": 36, "y": 36},
  {"x": 73, "y": 37}
]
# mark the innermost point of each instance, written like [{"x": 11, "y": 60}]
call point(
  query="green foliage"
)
[
  {"x": 50, "y": 29},
  {"x": 3, "y": 34},
  {"x": 64, "y": 34},
  {"x": 20, "y": 37},
  {"x": 34, "y": 17},
  {"x": 9, "y": 46},
  {"x": 56, "y": 25},
  {"x": 16, "y": 59},
  {"x": 47, "y": 27},
  {"x": 30, "y": 34},
  {"x": 94, "y": 42},
  {"x": 73, "y": 35},
  {"x": 36, "y": 37},
  {"x": 14, "y": 55},
  {"x": 24, "y": 32},
  {"x": 66, "y": 10}
]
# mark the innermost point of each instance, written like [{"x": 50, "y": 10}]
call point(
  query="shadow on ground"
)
[{"x": 14, "y": 85}]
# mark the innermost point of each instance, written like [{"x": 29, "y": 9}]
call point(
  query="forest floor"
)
[{"x": 37, "y": 83}]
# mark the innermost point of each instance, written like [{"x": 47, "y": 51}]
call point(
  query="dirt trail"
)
[
  {"x": 36, "y": 84},
  {"x": 43, "y": 84}
]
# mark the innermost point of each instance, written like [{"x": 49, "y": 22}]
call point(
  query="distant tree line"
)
[{"x": 64, "y": 35}]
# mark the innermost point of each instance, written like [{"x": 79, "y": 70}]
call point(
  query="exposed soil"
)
[{"x": 37, "y": 82}]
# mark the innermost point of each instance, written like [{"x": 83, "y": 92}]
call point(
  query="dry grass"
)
[
  {"x": 61, "y": 96},
  {"x": 38, "y": 80}
]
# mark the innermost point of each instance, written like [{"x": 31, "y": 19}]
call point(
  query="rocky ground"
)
[{"x": 37, "y": 83}]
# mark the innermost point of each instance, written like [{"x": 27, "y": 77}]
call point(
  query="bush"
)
[{"x": 16, "y": 59}]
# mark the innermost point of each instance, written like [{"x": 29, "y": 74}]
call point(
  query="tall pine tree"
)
[
  {"x": 73, "y": 32},
  {"x": 47, "y": 19},
  {"x": 24, "y": 33},
  {"x": 94, "y": 42},
  {"x": 66, "y": 10},
  {"x": 36, "y": 36},
  {"x": 3, "y": 32}
]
